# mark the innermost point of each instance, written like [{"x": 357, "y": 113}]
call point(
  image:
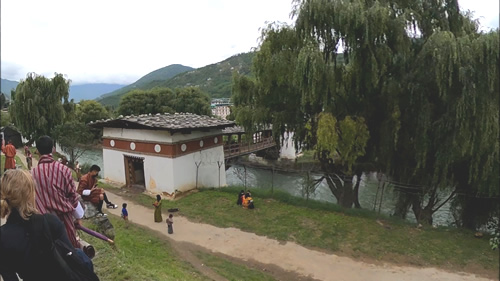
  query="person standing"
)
[
  {"x": 170, "y": 224},
  {"x": 157, "y": 204},
  {"x": 29, "y": 160},
  {"x": 124, "y": 211},
  {"x": 10, "y": 153},
  {"x": 55, "y": 189}
]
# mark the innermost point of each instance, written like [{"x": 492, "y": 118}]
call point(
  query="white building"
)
[
  {"x": 221, "y": 111},
  {"x": 221, "y": 107},
  {"x": 164, "y": 152}
]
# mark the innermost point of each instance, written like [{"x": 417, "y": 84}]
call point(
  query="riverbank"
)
[{"x": 384, "y": 245}]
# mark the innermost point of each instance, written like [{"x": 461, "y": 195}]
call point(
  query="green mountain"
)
[
  {"x": 214, "y": 79},
  {"x": 113, "y": 98}
]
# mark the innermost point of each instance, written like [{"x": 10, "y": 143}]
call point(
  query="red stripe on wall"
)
[{"x": 166, "y": 150}]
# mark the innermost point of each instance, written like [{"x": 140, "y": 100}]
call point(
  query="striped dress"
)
[{"x": 56, "y": 193}]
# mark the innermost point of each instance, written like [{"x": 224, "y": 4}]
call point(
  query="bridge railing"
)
[{"x": 235, "y": 149}]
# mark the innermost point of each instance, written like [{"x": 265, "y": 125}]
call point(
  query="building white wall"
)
[
  {"x": 208, "y": 173},
  {"x": 155, "y": 135},
  {"x": 137, "y": 135},
  {"x": 114, "y": 165},
  {"x": 169, "y": 174}
]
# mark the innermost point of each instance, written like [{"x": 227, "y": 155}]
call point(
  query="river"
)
[{"x": 292, "y": 183}]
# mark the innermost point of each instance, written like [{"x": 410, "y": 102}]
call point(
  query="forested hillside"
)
[
  {"x": 214, "y": 79},
  {"x": 161, "y": 74}
]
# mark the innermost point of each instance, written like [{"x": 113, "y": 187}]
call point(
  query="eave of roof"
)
[{"x": 178, "y": 122}]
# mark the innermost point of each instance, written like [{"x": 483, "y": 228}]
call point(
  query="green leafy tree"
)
[
  {"x": 74, "y": 138},
  {"x": 4, "y": 102},
  {"x": 416, "y": 89},
  {"x": 40, "y": 104},
  {"x": 192, "y": 100},
  {"x": 157, "y": 100},
  {"x": 91, "y": 110},
  {"x": 4, "y": 118},
  {"x": 161, "y": 100}
]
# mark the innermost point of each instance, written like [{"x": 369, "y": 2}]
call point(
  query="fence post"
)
[
  {"x": 197, "y": 168},
  {"x": 219, "y": 163}
]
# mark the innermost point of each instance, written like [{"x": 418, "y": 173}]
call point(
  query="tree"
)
[
  {"x": 192, "y": 100},
  {"x": 287, "y": 93},
  {"x": 161, "y": 100},
  {"x": 40, "y": 104},
  {"x": 4, "y": 101},
  {"x": 74, "y": 138},
  {"x": 416, "y": 81},
  {"x": 157, "y": 100},
  {"x": 91, "y": 110},
  {"x": 4, "y": 118}
]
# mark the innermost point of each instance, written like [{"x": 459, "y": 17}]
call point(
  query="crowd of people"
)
[{"x": 49, "y": 191}]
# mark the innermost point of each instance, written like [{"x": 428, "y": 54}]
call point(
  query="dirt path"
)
[
  {"x": 21, "y": 155},
  {"x": 289, "y": 257}
]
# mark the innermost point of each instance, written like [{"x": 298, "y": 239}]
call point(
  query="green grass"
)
[
  {"x": 230, "y": 271},
  {"x": 326, "y": 226},
  {"x": 138, "y": 254},
  {"x": 143, "y": 254}
]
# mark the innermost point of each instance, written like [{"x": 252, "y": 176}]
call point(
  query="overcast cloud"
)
[{"x": 112, "y": 41}]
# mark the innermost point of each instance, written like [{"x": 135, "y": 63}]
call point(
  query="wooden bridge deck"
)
[{"x": 238, "y": 149}]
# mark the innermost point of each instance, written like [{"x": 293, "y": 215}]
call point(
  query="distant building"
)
[
  {"x": 221, "y": 107},
  {"x": 164, "y": 152}
]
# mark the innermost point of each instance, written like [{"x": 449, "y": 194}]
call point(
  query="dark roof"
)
[{"x": 178, "y": 122}]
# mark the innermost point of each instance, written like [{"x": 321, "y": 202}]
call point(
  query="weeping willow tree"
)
[
  {"x": 415, "y": 81},
  {"x": 450, "y": 128},
  {"x": 40, "y": 104}
]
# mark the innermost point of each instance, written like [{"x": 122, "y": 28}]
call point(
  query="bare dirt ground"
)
[{"x": 285, "y": 261}]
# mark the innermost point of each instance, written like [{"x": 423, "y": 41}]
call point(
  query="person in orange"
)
[
  {"x": 248, "y": 201},
  {"x": 10, "y": 153},
  {"x": 87, "y": 188}
]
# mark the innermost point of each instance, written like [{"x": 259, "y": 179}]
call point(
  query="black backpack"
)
[{"x": 56, "y": 257}]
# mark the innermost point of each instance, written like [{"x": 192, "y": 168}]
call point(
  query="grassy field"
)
[
  {"x": 359, "y": 234},
  {"x": 142, "y": 254}
]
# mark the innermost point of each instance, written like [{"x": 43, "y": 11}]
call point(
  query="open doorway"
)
[{"x": 134, "y": 171}]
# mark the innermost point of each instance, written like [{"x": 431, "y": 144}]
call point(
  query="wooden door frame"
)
[{"x": 130, "y": 170}]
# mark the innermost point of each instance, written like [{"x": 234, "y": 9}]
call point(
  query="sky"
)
[{"x": 119, "y": 41}]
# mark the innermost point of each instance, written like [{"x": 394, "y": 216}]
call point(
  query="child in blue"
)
[{"x": 124, "y": 211}]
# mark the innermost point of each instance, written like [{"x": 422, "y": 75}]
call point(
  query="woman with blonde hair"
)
[{"x": 22, "y": 250}]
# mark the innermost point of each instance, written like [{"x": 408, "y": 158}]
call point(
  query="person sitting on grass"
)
[
  {"x": 248, "y": 201},
  {"x": 240, "y": 197},
  {"x": 87, "y": 188}
]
